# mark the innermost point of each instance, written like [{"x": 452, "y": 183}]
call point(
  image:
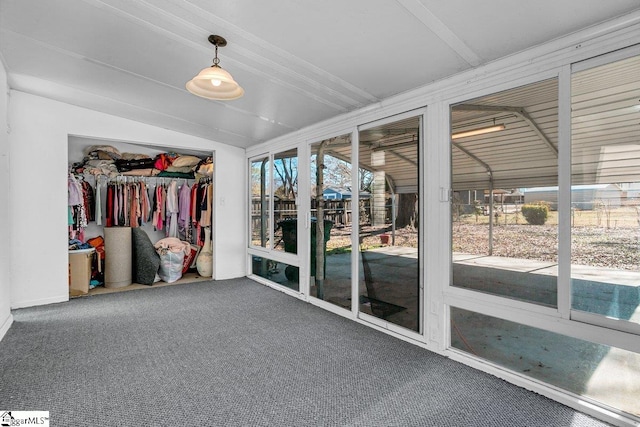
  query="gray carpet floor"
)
[{"x": 236, "y": 353}]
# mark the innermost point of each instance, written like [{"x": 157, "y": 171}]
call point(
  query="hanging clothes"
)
[
  {"x": 88, "y": 200},
  {"x": 126, "y": 205},
  {"x": 134, "y": 205},
  {"x": 144, "y": 203},
  {"x": 172, "y": 209},
  {"x": 74, "y": 191},
  {"x": 98, "y": 211},
  {"x": 110, "y": 197},
  {"x": 184, "y": 212},
  {"x": 167, "y": 207},
  {"x": 79, "y": 198},
  {"x": 194, "y": 203},
  {"x": 205, "y": 215},
  {"x": 159, "y": 212}
]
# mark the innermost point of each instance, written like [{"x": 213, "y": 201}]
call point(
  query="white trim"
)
[
  {"x": 423, "y": 301},
  {"x": 355, "y": 219},
  {"x": 563, "y": 282},
  {"x": 436, "y": 213},
  {"x": 607, "y": 58},
  {"x": 303, "y": 204},
  {"x": 336, "y": 309},
  {"x": 5, "y": 326},
  {"x": 278, "y": 256},
  {"x": 483, "y": 298},
  {"x": 605, "y": 322},
  {"x": 40, "y": 301},
  {"x": 249, "y": 222},
  {"x": 513, "y": 312},
  {"x": 277, "y": 287},
  {"x": 270, "y": 190},
  {"x": 367, "y": 318},
  {"x": 420, "y": 111},
  {"x": 391, "y": 327}
]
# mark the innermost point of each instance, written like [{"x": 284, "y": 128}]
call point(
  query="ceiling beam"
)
[
  {"x": 473, "y": 157},
  {"x": 435, "y": 25},
  {"x": 403, "y": 157}
]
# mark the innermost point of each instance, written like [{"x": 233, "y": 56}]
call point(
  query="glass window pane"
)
[
  {"x": 504, "y": 206},
  {"x": 605, "y": 193},
  {"x": 285, "y": 194},
  {"x": 389, "y": 284},
  {"x": 606, "y": 374},
  {"x": 331, "y": 201},
  {"x": 278, "y": 272},
  {"x": 260, "y": 218}
]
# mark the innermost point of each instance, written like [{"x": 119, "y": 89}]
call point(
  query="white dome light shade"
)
[{"x": 215, "y": 83}]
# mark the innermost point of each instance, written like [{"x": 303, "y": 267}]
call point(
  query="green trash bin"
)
[{"x": 290, "y": 239}]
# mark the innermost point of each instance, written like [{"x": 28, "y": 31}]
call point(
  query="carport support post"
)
[
  {"x": 393, "y": 219},
  {"x": 394, "y": 208},
  {"x": 263, "y": 213},
  {"x": 490, "y": 213},
  {"x": 263, "y": 203},
  {"x": 320, "y": 221}
]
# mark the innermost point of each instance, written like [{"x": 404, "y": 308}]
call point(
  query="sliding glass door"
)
[
  {"x": 330, "y": 225},
  {"x": 605, "y": 193},
  {"x": 389, "y": 238}
]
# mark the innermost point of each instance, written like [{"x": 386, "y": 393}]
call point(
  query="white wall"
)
[
  {"x": 40, "y": 129},
  {"x": 5, "y": 247}
]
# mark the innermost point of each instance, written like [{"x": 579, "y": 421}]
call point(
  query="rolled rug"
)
[{"x": 118, "y": 257}]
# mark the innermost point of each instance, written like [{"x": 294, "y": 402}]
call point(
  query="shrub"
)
[{"x": 535, "y": 214}]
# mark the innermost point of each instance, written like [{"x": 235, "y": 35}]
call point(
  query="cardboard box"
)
[{"x": 80, "y": 270}]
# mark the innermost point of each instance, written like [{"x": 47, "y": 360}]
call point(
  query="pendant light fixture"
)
[{"x": 214, "y": 82}]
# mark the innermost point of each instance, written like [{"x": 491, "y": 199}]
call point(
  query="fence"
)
[{"x": 338, "y": 211}]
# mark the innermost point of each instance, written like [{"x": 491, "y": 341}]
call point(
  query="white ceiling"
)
[{"x": 300, "y": 62}]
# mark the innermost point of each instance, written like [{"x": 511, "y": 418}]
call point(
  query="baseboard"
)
[
  {"x": 5, "y": 326},
  {"x": 43, "y": 301}
]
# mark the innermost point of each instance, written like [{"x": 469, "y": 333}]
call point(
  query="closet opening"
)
[{"x": 140, "y": 215}]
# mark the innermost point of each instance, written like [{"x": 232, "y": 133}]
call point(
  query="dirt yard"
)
[{"x": 617, "y": 248}]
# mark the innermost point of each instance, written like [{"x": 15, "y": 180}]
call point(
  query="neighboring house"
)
[{"x": 335, "y": 193}]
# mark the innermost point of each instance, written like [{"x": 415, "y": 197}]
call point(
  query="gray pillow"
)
[{"x": 146, "y": 260}]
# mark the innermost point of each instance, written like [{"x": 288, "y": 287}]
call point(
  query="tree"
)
[
  {"x": 286, "y": 177},
  {"x": 257, "y": 167},
  {"x": 407, "y": 211},
  {"x": 337, "y": 173}
]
